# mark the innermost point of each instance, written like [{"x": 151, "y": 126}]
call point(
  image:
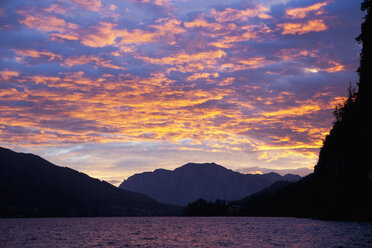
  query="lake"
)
[{"x": 183, "y": 232}]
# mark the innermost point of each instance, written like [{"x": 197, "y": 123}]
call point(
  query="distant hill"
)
[
  {"x": 341, "y": 185},
  {"x": 33, "y": 187},
  {"x": 193, "y": 181}
]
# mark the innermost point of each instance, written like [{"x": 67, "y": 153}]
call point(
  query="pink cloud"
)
[{"x": 92, "y": 5}]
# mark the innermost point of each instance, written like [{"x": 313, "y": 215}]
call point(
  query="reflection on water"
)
[{"x": 183, "y": 232}]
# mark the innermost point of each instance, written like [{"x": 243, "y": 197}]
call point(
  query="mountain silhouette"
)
[
  {"x": 341, "y": 185},
  {"x": 33, "y": 187},
  {"x": 192, "y": 181}
]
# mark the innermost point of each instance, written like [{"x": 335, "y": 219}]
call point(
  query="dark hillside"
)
[{"x": 33, "y": 187}]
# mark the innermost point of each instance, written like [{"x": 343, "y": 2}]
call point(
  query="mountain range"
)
[
  {"x": 33, "y": 187},
  {"x": 192, "y": 181}
]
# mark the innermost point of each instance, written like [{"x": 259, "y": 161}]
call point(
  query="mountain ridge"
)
[
  {"x": 33, "y": 187},
  {"x": 199, "y": 180}
]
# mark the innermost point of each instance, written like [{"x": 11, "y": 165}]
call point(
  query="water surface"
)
[{"x": 183, "y": 232}]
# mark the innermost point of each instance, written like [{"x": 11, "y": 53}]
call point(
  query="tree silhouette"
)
[
  {"x": 341, "y": 185},
  {"x": 201, "y": 207}
]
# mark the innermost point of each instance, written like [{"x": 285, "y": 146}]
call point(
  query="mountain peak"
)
[
  {"x": 200, "y": 166},
  {"x": 191, "y": 164}
]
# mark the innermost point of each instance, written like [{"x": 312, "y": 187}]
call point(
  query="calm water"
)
[{"x": 183, "y": 232}]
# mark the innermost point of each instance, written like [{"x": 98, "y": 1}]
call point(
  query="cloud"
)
[
  {"x": 259, "y": 170},
  {"x": 201, "y": 22},
  {"x": 303, "y": 28},
  {"x": 8, "y": 74},
  {"x": 204, "y": 75},
  {"x": 230, "y": 14},
  {"x": 58, "y": 27},
  {"x": 163, "y": 3},
  {"x": 56, "y": 8},
  {"x": 299, "y": 13},
  {"x": 66, "y": 61},
  {"x": 101, "y": 35},
  {"x": 37, "y": 54},
  {"x": 92, "y": 5},
  {"x": 335, "y": 67},
  {"x": 106, "y": 34},
  {"x": 160, "y": 83},
  {"x": 185, "y": 62}
]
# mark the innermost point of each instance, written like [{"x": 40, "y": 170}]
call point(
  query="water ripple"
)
[{"x": 183, "y": 232}]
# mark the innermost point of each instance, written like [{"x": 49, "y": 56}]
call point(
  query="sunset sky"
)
[{"x": 116, "y": 87}]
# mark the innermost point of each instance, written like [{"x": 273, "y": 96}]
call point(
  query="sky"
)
[{"x": 117, "y": 87}]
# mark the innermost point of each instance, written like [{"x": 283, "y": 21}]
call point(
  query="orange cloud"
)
[
  {"x": 44, "y": 79},
  {"x": 8, "y": 74},
  {"x": 69, "y": 61},
  {"x": 240, "y": 34},
  {"x": 204, "y": 75},
  {"x": 303, "y": 28},
  {"x": 336, "y": 67},
  {"x": 154, "y": 108},
  {"x": 255, "y": 172},
  {"x": 37, "y": 54},
  {"x": 293, "y": 53},
  {"x": 224, "y": 34},
  {"x": 105, "y": 34},
  {"x": 137, "y": 36},
  {"x": 58, "y": 27},
  {"x": 101, "y": 35},
  {"x": 231, "y": 15},
  {"x": 294, "y": 111},
  {"x": 185, "y": 62},
  {"x": 48, "y": 23},
  {"x": 200, "y": 22},
  {"x": 56, "y": 8},
  {"x": 299, "y": 13},
  {"x": 151, "y": 108},
  {"x": 275, "y": 153},
  {"x": 168, "y": 26}
]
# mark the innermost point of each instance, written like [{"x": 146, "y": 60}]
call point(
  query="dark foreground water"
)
[{"x": 183, "y": 232}]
